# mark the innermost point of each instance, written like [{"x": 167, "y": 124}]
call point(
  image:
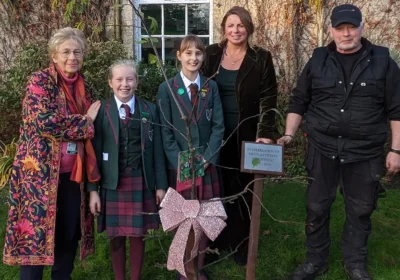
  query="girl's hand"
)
[
  {"x": 93, "y": 110},
  {"x": 206, "y": 164},
  {"x": 159, "y": 196},
  {"x": 94, "y": 203}
]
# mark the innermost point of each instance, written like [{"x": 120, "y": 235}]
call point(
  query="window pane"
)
[
  {"x": 153, "y": 11},
  {"x": 205, "y": 40},
  {"x": 148, "y": 49},
  {"x": 198, "y": 19},
  {"x": 172, "y": 46},
  {"x": 174, "y": 16}
]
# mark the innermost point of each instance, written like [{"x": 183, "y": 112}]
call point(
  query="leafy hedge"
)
[
  {"x": 95, "y": 69},
  {"x": 12, "y": 87},
  {"x": 150, "y": 78}
]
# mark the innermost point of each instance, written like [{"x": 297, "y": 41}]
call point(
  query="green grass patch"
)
[{"x": 281, "y": 246}]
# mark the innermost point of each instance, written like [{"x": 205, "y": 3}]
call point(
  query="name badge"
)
[
  {"x": 105, "y": 156},
  {"x": 71, "y": 148}
]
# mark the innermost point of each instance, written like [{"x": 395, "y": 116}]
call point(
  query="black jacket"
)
[
  {"x": 348, "y": 121},
  {"x": 256, "y": 90}
]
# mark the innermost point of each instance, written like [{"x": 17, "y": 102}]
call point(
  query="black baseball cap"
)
[{"x": 346, "y": 13}]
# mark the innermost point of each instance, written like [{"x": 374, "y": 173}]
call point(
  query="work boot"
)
[
  {"x": 308, "y": 271},
  {"x": 357, "y": 273}
]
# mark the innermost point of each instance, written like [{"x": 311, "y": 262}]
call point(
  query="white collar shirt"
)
[
  {"x": 130, "y": 103},
  {"x": 187, "y": 83}
]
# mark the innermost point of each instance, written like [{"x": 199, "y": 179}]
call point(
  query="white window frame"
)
[{"x": 138, "y": 32}]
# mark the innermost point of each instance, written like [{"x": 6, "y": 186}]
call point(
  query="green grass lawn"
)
[{"x": 281, "y": 245}]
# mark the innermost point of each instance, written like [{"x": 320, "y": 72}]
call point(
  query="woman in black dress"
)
[{"x": 247, "y": 86}]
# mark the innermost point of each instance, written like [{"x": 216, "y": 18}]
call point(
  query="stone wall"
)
[{"x": 291, "y": 30}]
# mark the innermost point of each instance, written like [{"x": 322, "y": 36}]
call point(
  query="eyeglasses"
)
[{"x": 66, "y": 53}]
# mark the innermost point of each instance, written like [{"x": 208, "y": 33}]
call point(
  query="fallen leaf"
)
[{"x": 160, "y": 265}]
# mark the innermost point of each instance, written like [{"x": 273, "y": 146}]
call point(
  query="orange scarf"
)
[{"x": 86, "y": 157}]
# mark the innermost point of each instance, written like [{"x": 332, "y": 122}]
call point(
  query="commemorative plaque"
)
[{"x": 259, "y": 159}]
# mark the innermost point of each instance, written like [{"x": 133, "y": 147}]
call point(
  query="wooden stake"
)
[{"x": 254, "y": 228}]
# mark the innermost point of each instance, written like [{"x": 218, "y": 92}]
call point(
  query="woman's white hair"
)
[{"x": 64, "y": 34}]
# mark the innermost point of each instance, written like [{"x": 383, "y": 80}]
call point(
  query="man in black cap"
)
[{"x": 347, "y": 92}]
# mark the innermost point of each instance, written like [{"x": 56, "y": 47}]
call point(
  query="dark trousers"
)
[
  {"x": 239, "y": 210},
  {"x": 64, "y": 256},
  {"x": 359, "y": 182},
  {"x": 67, "y": 233}
]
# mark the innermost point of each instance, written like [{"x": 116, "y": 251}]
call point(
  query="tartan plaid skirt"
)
[
  {"x": 122, "y": 208},
  {"x": 211, "y": 184}
]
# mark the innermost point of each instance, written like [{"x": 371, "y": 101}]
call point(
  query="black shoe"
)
[
  {"x": 240, "y": 258},
  {"x": 308, "y": 271},
  {"x": 357, "y": 273}
]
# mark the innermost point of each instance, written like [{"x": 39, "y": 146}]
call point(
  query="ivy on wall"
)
[{"x": 25, "y": 21}]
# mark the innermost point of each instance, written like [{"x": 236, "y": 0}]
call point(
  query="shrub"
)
[
  {"x": 150, "y": 78},
  {"x": 7, "y": 154},
  {"x": 97, "y": 61},
  {"x": 29, "y": 59}
]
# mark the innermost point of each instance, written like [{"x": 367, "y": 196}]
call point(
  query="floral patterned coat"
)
[{"x": 34, "y": 181}]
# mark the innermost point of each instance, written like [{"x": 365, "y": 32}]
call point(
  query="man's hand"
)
[
  {"x": 293, "y": 121},
  {"x": 264, "y": 140},
  {"x": 285, "y": 140},
  {"x": 159, "y": 196},
  {"x": 392, "y": 163},
  {"x": 94, "y": 203}
]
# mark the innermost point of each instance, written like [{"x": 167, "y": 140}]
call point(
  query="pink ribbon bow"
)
[{"x": 183, "y": 214}]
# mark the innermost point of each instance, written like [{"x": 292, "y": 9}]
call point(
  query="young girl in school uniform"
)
[
  {"x": 130, "y": 156},
  {"x": 206, "y": 126}
]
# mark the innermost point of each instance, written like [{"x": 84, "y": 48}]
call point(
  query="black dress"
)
[
  {"x": 255, "y": 89},
  {"x": 238, "y": 222}
]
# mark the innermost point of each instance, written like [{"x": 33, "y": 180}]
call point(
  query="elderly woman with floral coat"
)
[{"x": 48, "y": 211}]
